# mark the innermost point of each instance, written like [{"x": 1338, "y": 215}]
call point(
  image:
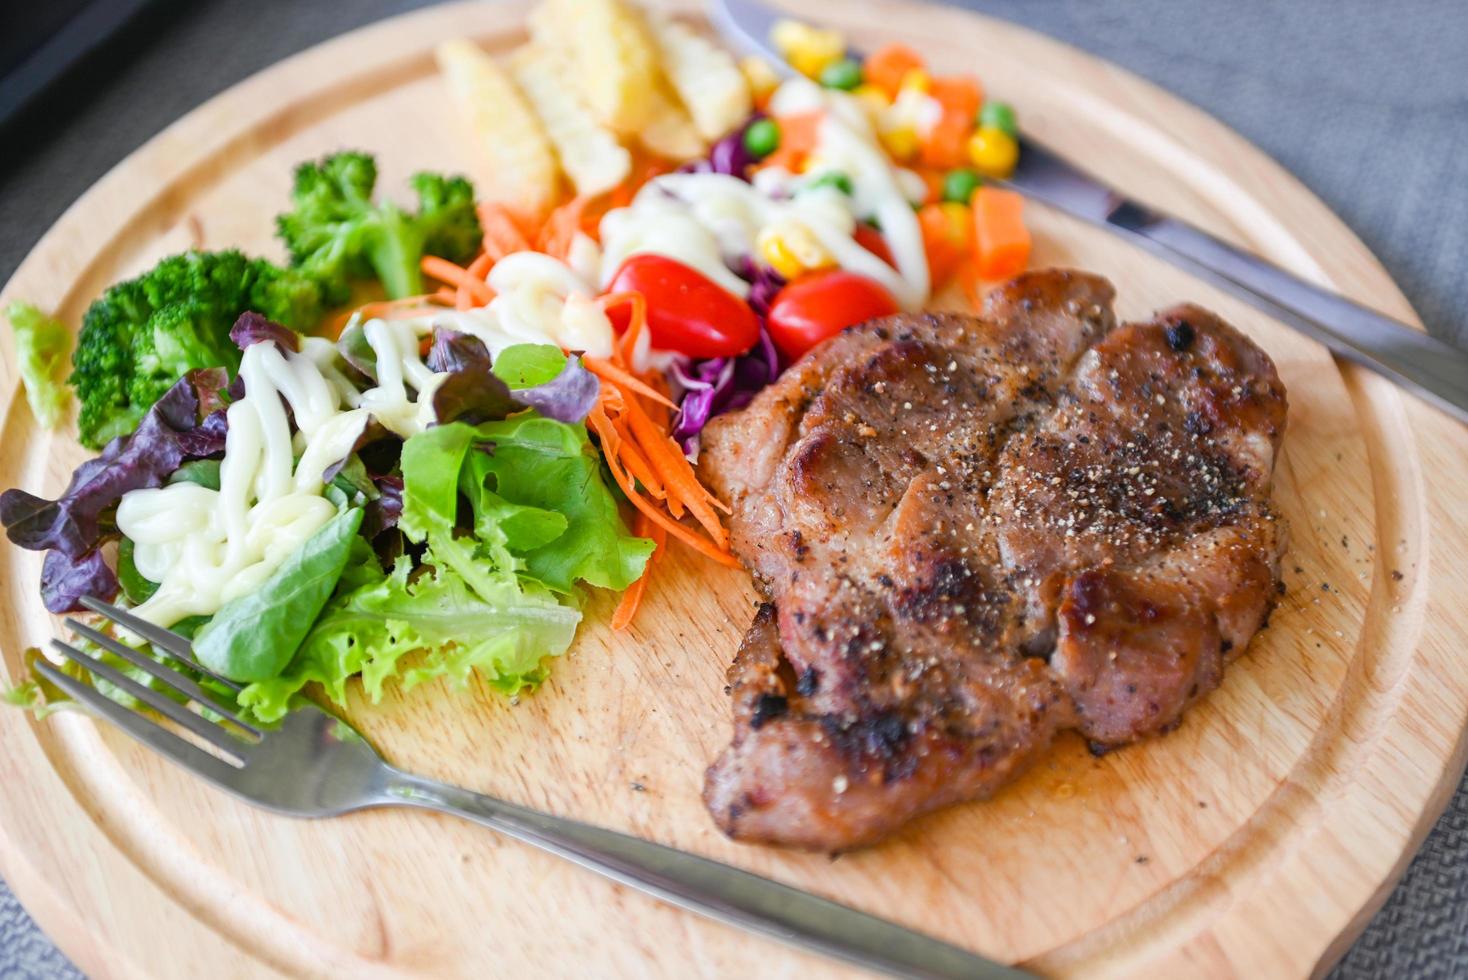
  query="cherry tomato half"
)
[
  {"x": 873, "y": 241},
  {"x": 821, "y": 304},
  {"x": 687, "y": 311}
]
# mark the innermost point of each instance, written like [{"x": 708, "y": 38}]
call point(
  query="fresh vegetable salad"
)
[{"x": 425, "y": 485}]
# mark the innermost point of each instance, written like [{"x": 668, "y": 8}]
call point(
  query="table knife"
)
[{"x": 1416, "y": 361}]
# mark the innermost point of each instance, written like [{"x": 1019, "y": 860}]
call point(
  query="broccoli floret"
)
[
  {"x": 335, "y": 233},
  {"x": 142, "y": 335}
]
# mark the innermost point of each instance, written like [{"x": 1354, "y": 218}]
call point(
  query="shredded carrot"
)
[
  {"x": 639, "y": 467},
  {"x": 644, "y": 168},
  {"x": 687, "y": 535},
  {"x": 446, "y": 295},
  {"x": 580, "y": 215},
  {"x": 479, "y": 268},
  {"x": 659, "y": 411},
  {"x": 608, "y": 371},
  {"x": 632, "y": 598},
  {"x": 637, "y": 320},
  {"x": 669, "y": 463},
  {"x": 456, "y": 275},
  {"x": 502, "y": 232}
]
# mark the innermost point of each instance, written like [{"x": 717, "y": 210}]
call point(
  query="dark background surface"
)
[{"x": 1366, "y": 102}]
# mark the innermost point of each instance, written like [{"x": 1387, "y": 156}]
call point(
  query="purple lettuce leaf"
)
[
  {"x": 454, "y": 350},
  {"x": 382, "y": 514},
  {"x": 65, "y": 581},
  {"x": 568, "y": 397},
  {"x": 215, "y": 392},
  {"x": 471, "y": 393},
  {"x": 252, "y": 328},
  {"x": 72, "y": 524},
  {"x": 352, "y": 345},
  {"x": 371, "y": 433}
]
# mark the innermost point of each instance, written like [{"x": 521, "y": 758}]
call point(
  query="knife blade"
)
[{"x": 1413, "y": 360}]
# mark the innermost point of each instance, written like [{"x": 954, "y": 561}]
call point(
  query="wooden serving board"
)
[{"x": 1255, "y": 840}]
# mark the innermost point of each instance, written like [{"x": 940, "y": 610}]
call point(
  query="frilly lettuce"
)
[
  {"x": 497, "y": 597},
  {"x": 368, "y": 630}
]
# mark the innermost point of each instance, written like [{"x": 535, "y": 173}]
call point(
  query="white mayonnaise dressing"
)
[
  {"x": 205, "y": 547},
  {"x": 539, "y": 300},
  {"x": 712, "y": 221}
]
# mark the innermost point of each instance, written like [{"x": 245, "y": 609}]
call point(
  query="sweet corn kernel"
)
[
  {"x": 872, "y": 97},
  {"x": 760, "y": 76},
  {"x": 817, "y": 49},
  {"x": 959, "y": 221},
  {"x": 787, "y": 34},
  {"x": 917, "y": 80},
  {"x": 791, "y": 249},
  {"x": 901, "y": 142},
  {"x": 993, "y": 152}
]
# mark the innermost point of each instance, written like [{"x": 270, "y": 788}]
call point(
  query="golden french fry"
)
[
  {"x": 590, "y": 155},
  {"x": 670, "y": 132},
  {"x": 616, "y": 65},
  {"x": 520, "y": 165},
  {"x": 703, "y": 74}
]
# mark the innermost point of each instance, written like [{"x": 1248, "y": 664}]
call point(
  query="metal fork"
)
[{"x": 315, "y": 765}]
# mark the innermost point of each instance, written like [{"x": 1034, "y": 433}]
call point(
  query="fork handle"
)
[{"x": 709, "y": 888}]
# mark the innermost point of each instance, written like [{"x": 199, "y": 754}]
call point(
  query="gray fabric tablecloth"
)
[{"x": 1367, "y": 103}]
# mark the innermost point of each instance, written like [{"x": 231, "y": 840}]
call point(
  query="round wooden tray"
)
[{"x": 1255, "y": 840}]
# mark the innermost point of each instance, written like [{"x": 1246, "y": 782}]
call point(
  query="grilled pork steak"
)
[{"x": 975, "y": 532}]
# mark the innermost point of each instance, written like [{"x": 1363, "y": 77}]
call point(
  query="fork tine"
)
[
  {"x": 200, "y": 726},
  {"x": 172, "y": 678},
  {"x": 167, "y": 641},
  {"x": 139, "y": 727}
]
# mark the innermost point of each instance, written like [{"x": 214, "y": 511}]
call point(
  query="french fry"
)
[
  {"x": 669, "y": 131},
  {"x": 590, "y": 154},
  {"x": 703, "y": 74},
  {"x": 615, "y": 62},
  {"x": 522, "y": 170}
]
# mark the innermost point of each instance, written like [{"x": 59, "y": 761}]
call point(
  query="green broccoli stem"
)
[{"x": 395, "y": 251}]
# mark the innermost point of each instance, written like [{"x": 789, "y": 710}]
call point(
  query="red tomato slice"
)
[
  {"x": 821, "y": 304},
  {"x": 873, "y": 241},
  {"x": 687, "y": 311}
]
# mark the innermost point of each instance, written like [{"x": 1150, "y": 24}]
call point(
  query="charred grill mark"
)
[
  {"x": 1180, "y": 335},
  {"x": 767, "y": 709}
]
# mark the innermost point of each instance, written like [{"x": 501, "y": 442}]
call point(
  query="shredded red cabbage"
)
[
  {"x": 723, "y": 384},
  {"x": 728, "y": 155}
]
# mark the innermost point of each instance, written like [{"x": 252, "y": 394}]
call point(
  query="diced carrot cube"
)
[
  {"x": 1001, "y": 240},
  {"x": 888, "y": 66}
]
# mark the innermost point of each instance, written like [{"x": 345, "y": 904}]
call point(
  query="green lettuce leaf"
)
[
  {"x": 528, "y": 365},
  {"x": 513, "y": 515},
  {"x": 452, "y": 629},
  {"x": 540, "y": 463},
  {"x": 253, "y": 638},
  {"x": 41, "y": 344}
]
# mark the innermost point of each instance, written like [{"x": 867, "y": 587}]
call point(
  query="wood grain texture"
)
[{"x": 1255, "y": 840}]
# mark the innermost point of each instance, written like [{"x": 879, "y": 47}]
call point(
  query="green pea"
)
[
  {"x": 843, "y": 74},
  {"x": 762, "y": 138},
  {"x": 833, "y": 178},
  {"x": 959, "y": 185},
  {"x": 999, "y": 115}
]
